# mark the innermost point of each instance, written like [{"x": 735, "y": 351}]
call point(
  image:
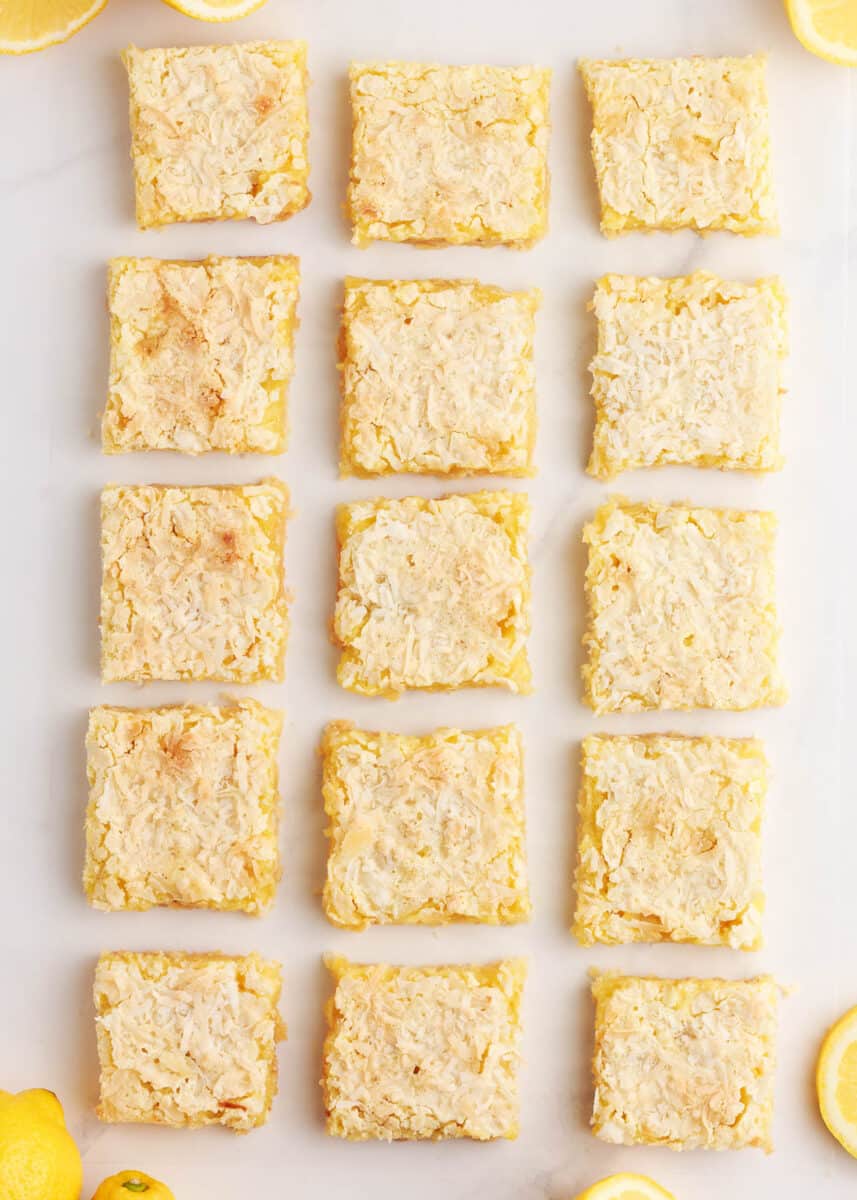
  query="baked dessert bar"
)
[
  {"x": 219, "y": 132},
  {"x": 682, "y": 143},
  {"x": 669, "y": 840},
  {"x": 187, "y": 1039},
  {"x": 423, "y": 1052},
  {"x": 433, "y": 593},
  {"x": 183, "y": 807},
  {"x": 448, "y": 154},
  {"x": 687, "y": 371},
  {"x": 684, "y": 1063},
  {"x": 682, "y": 609},
  {"x": 424, "y": 830},
  {"x": 201, "y": 354},
  {"x": 192, "y": 583},
  {"x": 437, "y": 378}
]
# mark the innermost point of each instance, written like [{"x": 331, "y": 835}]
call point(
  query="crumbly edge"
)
[
  {"x": 509, "y": 509},
  {"x": 589, "y": 801},
  {"x": 257, "y": 902},
  {"x": 361, "y": 235},
  {"x": 342, "y": 733}
]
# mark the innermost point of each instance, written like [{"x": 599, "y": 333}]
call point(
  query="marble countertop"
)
[{"x": 66, "y": 206}]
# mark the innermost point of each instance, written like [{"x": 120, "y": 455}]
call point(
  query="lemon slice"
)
[
  {"x": 826, "y": 27},
  {"x": 28, "y": 25},
  {"x": 836, "y": 1080},
  {"x": 215, "y": 10},
  {"x": 626, "y": 1187}
]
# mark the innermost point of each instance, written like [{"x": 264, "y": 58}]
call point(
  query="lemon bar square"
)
[
  {"x": 449, "y": 155},
  {"x": 682, "y": 609},
  {"x": 423, "y": 1052},
  {"x": 669, "y": 840},
  {"x": 684, "y": 1063},
  {"x": 437, "y": 378},
  {"x": 187, "y": 1039},
  {"x": 433, "y": 593},
  {"x": 192, "y": 582},
  {"x": 688, "y": 371},
  {"x": 201, "y": 354},
  {"x": 219, "y": 132},
  {"x": 183, "y": 807},
  {"x": 682, "y": 143},
  {"x": 424, "y": 830}
]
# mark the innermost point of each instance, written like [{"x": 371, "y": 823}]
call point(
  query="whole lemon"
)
[
  {"x": 128, "y": 1184},
  {"x": 38, "y": 1157}
]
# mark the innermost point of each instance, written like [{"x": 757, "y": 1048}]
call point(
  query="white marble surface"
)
[{"x": 66, "y": 206}]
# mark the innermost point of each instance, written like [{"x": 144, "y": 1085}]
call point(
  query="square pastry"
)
[
  {"x": 682, "y": 143},
  {"x": 433, "y": 593},
  {"x": 687, "y": 371},
  {"x": 448, "y": 154},
  {"x": 183, "y": 807},
  {"x": 424, "y": 830},
  {"x": 669, "y": 841},
  {"x": 219, "y": 132},
  {"x": 437, "y": 378},
  {"x": 684, "y": 1063},
  {"x": 192, "y": 582},
  {"x": 682, "y": 609},
  {"x": 423, "y": 1052},
  {"x": 187, "y": 1039},
  {"x": 201, "y": 354}
]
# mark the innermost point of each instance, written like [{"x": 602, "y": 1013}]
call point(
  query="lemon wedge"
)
[
  {"x": 626, "y": 1187},
  {"x": 28, "y": 25},
  {"x": 836, "y": 1080},
  {"x": 215, "y": 10},
  {"x": 826, "y": 27}
]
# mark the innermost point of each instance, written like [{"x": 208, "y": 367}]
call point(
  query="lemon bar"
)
[
  {"x": 201, "y": 354},
  {"x": 424, "y": 830},
  {"x": 433, "y": 593},
  {"x": 684, "y": 1063},
  {"x": 687, "y": 371},
  {"x": 669, "y": 841},
  {"x": 183, "y": 807},
  {"x": 682, "y": 609},
  {"x": 192, "y": 582},
  {"x": 219, "y": 132},
  {"x": 437, "y": 378},
  {"x": 449, "y": 155},
  {"x": 187, "y": 1039},
  {"x": 423, "y": 1052},
  {"x": 682, "y": 143}
]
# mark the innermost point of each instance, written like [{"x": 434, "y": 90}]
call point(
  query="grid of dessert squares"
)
[{"x": 437, "y": 378}]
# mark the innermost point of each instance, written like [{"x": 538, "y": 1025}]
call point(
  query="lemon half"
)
[
  {"x": 215, "y": 10},
  {"x": 28, "y": 25},
  {"x": 626, "y": 1187},
  {"x": 826, "y": 27},
  {"x": 836, "y": 1080}
]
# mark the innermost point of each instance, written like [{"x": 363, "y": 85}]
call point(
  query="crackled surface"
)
[
  {"x": 183, "y": 807},
  {"x": 669, "y": 840},
  {"x": 433, "y": 593},
  {"x": 201, "y": 354},
  {"x": 187, "y": 1039},
  {"x": 424, "y": 830},
  {"x": 682, "y": 609},
  {"x": 437, "y": 377},
  {"x": 423, "y": 1052},
  {"x": 219, "y": 132},
  {"x": 192, "y": 582},
  {"x": 448, "y": 154},
  {"x": 682, "y": 142},
  {"x": 685, "y": 1063},
  {"x": 689, "y": 371}
]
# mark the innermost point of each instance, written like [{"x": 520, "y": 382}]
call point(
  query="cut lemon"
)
[
  {"x": 836, "y": 1080},
  {"x": 216, "y": 10},
  {"x": 826, "y": 27},
  {"x": 626, "y": 1187},
  {"x": 28, "y": 25}
]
